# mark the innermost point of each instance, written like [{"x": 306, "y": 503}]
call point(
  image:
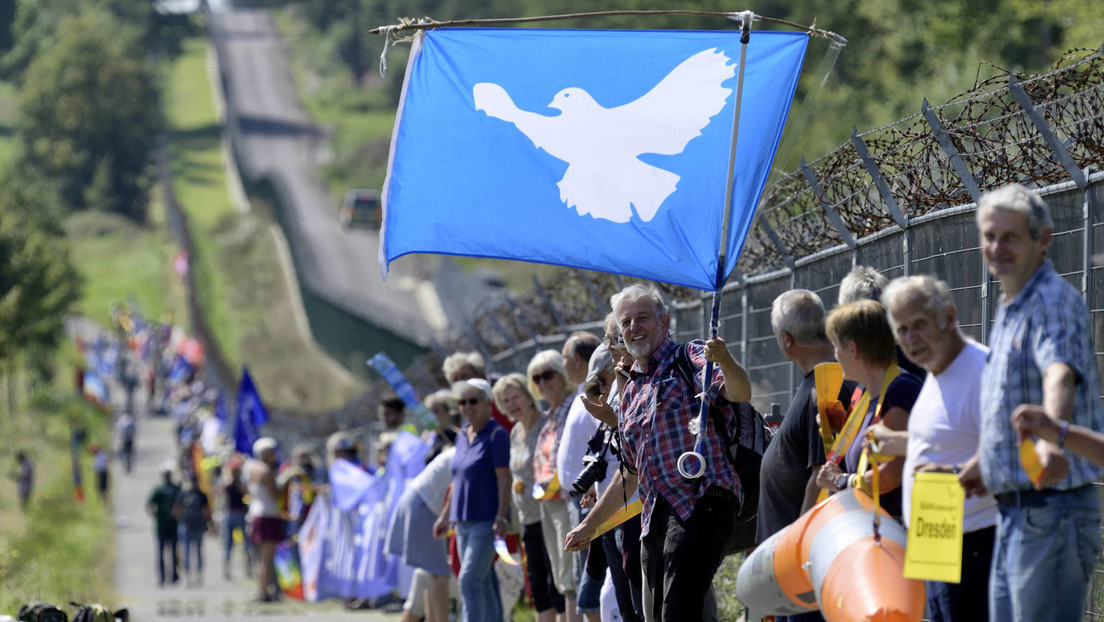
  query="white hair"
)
[
  {"x": 637, "y": 292},
  {"x": 936, "y": 296},
  {"x": 800, "y": 313},
  {"x": 861, "y": 283}
]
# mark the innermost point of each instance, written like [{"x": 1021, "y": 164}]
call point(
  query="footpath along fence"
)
[{"x": 901, "y": 199}]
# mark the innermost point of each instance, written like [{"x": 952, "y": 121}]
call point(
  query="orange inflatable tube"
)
[{"x": 829, "y": 560}]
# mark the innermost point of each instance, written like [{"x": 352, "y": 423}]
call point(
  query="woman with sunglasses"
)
[
  {"x": 479, "y": 501},
  {"x": 548, "y": 380},
  {"x": 514, "y": 399}
]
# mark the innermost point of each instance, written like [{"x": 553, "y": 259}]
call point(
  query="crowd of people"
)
[
  {"x": 534, "y": 466},
  {"x": 915, "y": 386}
]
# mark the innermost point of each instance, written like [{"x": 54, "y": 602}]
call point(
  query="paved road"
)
[{"x": 279, "y": 140}]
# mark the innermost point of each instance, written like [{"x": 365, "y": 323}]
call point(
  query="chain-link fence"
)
[{"x": 900, "y": 199}]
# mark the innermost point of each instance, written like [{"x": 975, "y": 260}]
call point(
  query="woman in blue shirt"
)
[{"x": 477, "y": 505}]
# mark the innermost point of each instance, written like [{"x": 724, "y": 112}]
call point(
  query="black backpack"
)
[{"x": 745, "y": 451}]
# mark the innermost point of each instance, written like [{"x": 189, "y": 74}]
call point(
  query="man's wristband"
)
[
  {"x": 1062, "y": 432},
  {"x": 842, "y": 481}
]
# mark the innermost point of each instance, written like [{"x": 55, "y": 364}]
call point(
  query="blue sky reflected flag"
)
[
  {"x": 251, "y": 415},
  {"x": 604, "y": 150}
]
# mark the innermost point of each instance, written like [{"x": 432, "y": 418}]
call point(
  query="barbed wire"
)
[{"x": 991, "y": 132}]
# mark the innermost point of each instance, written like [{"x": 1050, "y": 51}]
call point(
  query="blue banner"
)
[
  {"x": 220, "y": 408},
  {"x": 251, "y": 415},
  {"x": 394, "y": 377},
  {"x": 604, "y": 150}
]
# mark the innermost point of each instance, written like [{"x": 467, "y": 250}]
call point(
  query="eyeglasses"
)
[
  {"x": 545, "y": 376},
  {"x": 471, "y": 401},
  {"x": 615, "y": 342}
]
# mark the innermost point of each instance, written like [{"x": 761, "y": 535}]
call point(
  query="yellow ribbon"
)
[{"x": 854, "y": 422}]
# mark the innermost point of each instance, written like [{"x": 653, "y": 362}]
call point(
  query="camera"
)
[
  {"x": 592, "y": 473},
  {"x": 595, "y": 464}
]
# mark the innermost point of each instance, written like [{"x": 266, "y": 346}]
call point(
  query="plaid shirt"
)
[
  {"x": 1047, "y": 322},
  {"x": 657, "y": 407},
  {"x": 548, "y": 442}
]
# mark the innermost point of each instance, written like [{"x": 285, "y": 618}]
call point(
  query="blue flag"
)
[
  {"x": 220, "y": 408},
  {"x": 385, "y": 367},
  {"x": 251, "y": 415},
  {"x": 604, "y": 150}
]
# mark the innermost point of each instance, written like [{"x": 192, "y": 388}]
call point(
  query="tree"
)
[
  {"x": 90, "y": 115},
  {"x": 38, "y": 283},
  {"x": 30, "y": 26}
]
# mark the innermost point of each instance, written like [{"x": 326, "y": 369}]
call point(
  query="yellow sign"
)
[
  {"x": 934, "y": 550},
  {"x": 828, "y": 379},
  {"x": 623, "y": 514}
]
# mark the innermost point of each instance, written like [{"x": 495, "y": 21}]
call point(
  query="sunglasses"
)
[
  {"x": 471, "y": 401},
  {"x": 616, "y": 343},
  {"x": 545, "y": 376}
]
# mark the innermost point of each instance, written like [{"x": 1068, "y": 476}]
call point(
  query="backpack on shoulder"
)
[{"x": 744, "y": 450}]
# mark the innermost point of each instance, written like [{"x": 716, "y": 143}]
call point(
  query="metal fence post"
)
[
  {"x": 521, "y": 318},
  {"x": 972, "y": 188},
  {"x": 1078, "y": 176},
  {"x": 510, "y": 343},
  {"x": 833, "y": 215},
  {"x": 585, "y": 278},
  {"x": 888, "y": 200},
  {"x": 777, "y": 241}
]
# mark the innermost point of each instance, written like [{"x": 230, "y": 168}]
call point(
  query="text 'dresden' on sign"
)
[{"x": 934, "y": 549}]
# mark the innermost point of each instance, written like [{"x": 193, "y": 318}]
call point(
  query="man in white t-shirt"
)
[
  {"x": 944, "y": 427},
  {"x": 579, "y": 427}
]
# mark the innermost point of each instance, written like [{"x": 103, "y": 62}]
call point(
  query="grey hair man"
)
[
  {"x": 861, "y": 283},
  {"x": 1042, "y": 353},
  {"x": 866, "y": 283},
  {"x": 787, "y": 477},
  {"x": 944, "y": 428},
  {"x": 682, "y": 519}
]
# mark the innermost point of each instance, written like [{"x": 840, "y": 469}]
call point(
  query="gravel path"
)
[{"x": 136, "y": 577}]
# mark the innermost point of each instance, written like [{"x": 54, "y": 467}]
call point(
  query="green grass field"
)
[
  {"x": 121, "y": 261},
  {"x": 238, "y": 275},
  {"x": 199, "y": 181},
  {"x": 59, "y": 549}
]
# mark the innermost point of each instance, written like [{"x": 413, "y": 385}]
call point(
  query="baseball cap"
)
[{"x": 599, "y": 360}]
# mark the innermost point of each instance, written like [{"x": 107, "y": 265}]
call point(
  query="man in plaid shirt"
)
[
  {"x": 685, "y": 522},
  {"x": 1041, "y": 357}
]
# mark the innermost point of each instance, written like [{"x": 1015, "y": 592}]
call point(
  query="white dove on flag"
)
[{"x": 605, "y": 177}]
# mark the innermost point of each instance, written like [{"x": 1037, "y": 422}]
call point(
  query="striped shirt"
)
[
  {"x": 658, "y": 405},
  {"x": 1047, "y": 322}
]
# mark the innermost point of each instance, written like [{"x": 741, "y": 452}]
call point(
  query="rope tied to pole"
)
[
  {"x": 744, "y": 17},
  {"x": 871, "y": 455}
]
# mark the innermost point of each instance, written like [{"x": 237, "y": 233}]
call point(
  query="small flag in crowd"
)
[
  {"x": 251, "y": 415},
  {"x": 220, "y": 408},
  {"x": 604, "y": 150},
  {"x": 391, "y": 373}
]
